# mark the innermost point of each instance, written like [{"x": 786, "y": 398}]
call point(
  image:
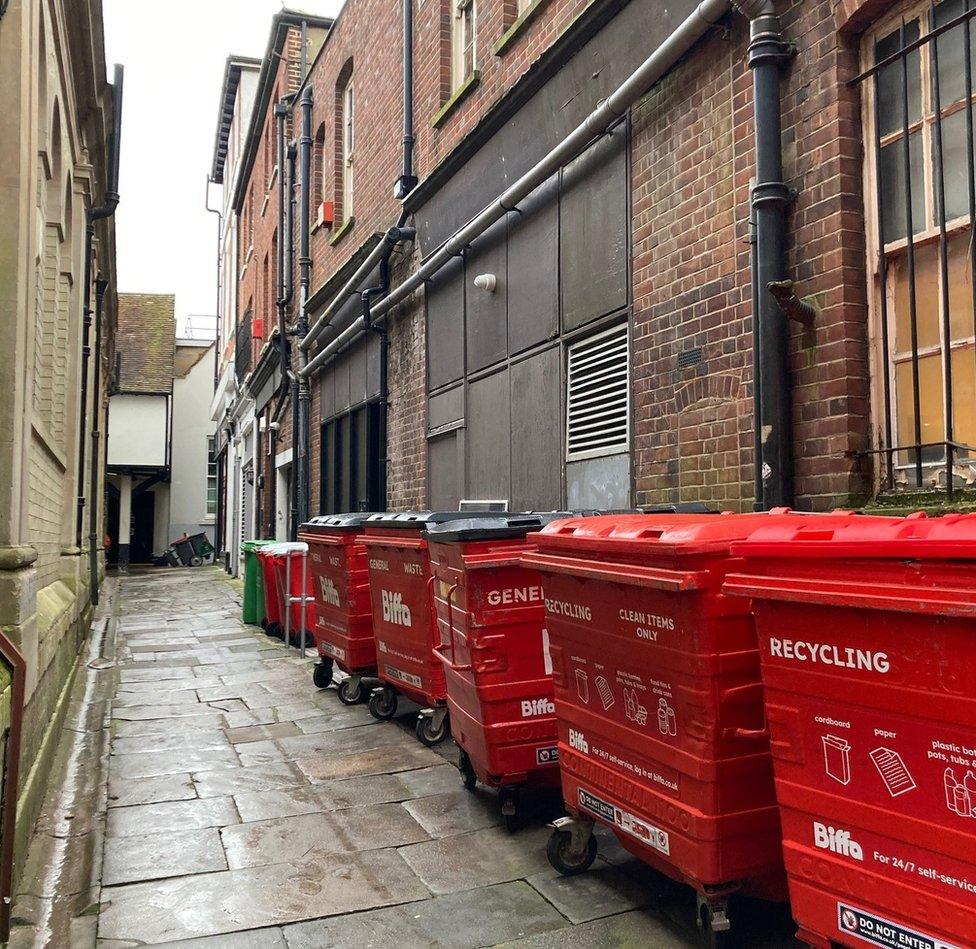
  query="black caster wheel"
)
[
  {"x": 508, "y": 800},
  {"x": 561, "y": 857},
  {"x": 430, "y": 734},
  {"x": 351, "y": 694},
  {"x": 708, "y": 936},
  {"x": 264, "y": 624},
  {"x": 468, "y": 778},
  {"x": 274, "y": 630},
  {"x": 383, "y": 704},
  {"x": 322, "y": 674}
]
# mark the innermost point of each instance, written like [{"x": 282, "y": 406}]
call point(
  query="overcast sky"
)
[{"x": 174, "y": 56}]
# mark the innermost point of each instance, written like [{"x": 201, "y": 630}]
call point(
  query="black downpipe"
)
[
  {"x": 101, "y": 286},
  {"x": 99, "y": 213},
  {"x": 770, "y": 197},
  {"x": 408, "y": 180},
  {"x": 302, "y": 390},
  {"x": 285, "y": 249},
  {"x": 103, "y": 211}
]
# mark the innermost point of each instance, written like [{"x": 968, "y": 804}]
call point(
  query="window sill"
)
[
  {"x": 459, "y": 95},
  {"x": 515, "y": 31},
  {"x": 342, "y": 232}
]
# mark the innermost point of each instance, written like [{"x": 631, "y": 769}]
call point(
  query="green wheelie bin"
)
[{"x": 253, "y": 582}]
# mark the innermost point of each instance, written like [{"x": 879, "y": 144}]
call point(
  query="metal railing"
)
[{"x": 920, "y": 94}]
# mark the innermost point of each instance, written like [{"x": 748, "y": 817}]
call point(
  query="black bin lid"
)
[
  {"x": 424, "y": 520},
  {"x": 353, "y": 521},
  {"x": 686, "y": 507},
  {"x": 494, "y": 525}
]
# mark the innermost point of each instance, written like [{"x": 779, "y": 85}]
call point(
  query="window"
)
[
  {"x": 211, "y": 476},
  {"x": 920, "y": 190},
  {"x": 318, "y": 171},
  {"x": 463, "y": 41},
  {"x": 597, "y": 396},
  {"x": 350, "y": 458},
  {"x": 348, "y": 143}
]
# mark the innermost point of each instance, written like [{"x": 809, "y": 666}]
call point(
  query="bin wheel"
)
[
  {"x": 196, "y": 561},
  {"x": 558, "y": 850},
  {"x": 273, "y": 630},
  {"x": 708, "y": 936},
  {"x": 430, "y": 734},
  {"x": 322, "y": 674},
  {"x": 468, "y": 777},
  {"x": 349, "y": 694},
  {"x": 508, "y": 800},
  {"x": 383, "y": 704}
]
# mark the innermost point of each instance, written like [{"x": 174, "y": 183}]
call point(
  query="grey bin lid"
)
[
  {"x": 496, "y": 526},
  {"x": 353, "y": 521}
]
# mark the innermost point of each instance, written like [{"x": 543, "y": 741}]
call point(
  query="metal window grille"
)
[
  {"x": 211, "y": 476},
  {"x": 918, "y": 94},
  {"x": 348, "y": 143},
  {"x": 243, "y": 355},
  {"x": 598, "y": 395}
]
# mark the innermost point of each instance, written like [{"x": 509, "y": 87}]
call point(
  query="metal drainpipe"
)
[
  {"x": 92, "y": 215},
  {"x": 303, "y": 394},
  {"x": 768, "y": 53},
  {"x": 101, "y": 286},
  {"x": 220, "y": 255}
]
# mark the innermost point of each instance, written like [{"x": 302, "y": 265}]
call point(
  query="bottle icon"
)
[
  {"x": 950, "y": 788},
  {"x": 960, "y": 795},
  {"x": 666, "y": 721},
  {"x": 964, "y": 804}
]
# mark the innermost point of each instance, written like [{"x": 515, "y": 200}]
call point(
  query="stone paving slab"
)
[
  {"x": 124, "y": 792},
  {"x": 156, "y": 856},
  {"x": 171, "y": 816},
  {"x": 280, "y": 893},
  {"x": 465, "y": 920}
]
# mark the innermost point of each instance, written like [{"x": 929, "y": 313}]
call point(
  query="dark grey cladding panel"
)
[
  {"x": 533, "y": 269},
  {"x": 597, "y": 68},
  {"x": 445, "y": 326},
  {"x": 327, "y": 393},
  {"x": 537, "y": 433},
  {"x": 487, "y": 321},
  {"x": 445, "y": 465},
  {"x": 356, "y": 357},
  {"x": 445, "y": 407},
  {"x": 488, "y": 437},
  {"x": 593, "y": 231},
  {"x": 341, "y": 372},
  {"x": 372, "y": 366}
]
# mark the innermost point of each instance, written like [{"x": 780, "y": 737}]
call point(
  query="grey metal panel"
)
[
  {"x": 445, "y": 407},
  {"x": 596, "y": 69},
  {"x": 489, "y": 437},
  {"x": 598, "y": 483},
  {"x": 445, "y": 469},
  {"x": 357, "y": 373},
  {"x": 341, "y": 373},
  {"x": 327, "y": 393},
  {"x": 445, "y": 328},
  {"x": 533, "y": 269},
  {"x": 486, "y": 318},
  {"x": 593, "y": 231},
  {"x": 372, "y": 366},
  {"x": 537, "y": 433},
  {"x": 267, "y": 392}
]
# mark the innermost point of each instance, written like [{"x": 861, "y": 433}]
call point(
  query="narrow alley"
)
[{"x": 243, "y": 805}]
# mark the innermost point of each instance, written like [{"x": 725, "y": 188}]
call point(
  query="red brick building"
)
[{"x": 594, "y": 345}]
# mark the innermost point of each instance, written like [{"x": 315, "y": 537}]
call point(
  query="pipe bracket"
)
[{"x": 774, "y": 193}]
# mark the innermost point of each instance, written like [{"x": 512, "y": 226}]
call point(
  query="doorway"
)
[{"x": 143, "y": 527}]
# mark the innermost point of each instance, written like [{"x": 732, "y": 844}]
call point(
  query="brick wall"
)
[{"x": 692, "y": 163}]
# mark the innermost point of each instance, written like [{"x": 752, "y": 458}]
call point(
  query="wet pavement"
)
[{"x": 206, "y": 794}]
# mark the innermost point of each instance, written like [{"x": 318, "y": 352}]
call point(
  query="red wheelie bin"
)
[
  {"x": 291, "y": 578},
  {"x": 659, "y": 703},
  {"x": 498, "y": 675},
  {"x": 273, "y": 607},
  {"x": 404, "y": 623},
  {"x": 867, "y": 632},
  {"x": 342, "y": 623}
]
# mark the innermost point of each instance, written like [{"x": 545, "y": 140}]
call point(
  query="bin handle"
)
[
  {"x": 630, "y": 574},
  {"x": 450, "y": 620},
  {"x": 438, "y": 651},
  {"x": 734, "y": 693}
]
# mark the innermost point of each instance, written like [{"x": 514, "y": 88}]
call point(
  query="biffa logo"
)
[
  {"x": 836, "y": 841},
  {"x": 395, "y": 610},
  {"x": 330, "y": 594},
  {"x": 578, "y": 742},
  {"x": 533, "y": 707}
]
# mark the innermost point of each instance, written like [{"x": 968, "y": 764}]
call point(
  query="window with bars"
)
[
  {"x": 211, "y": 476},
  {"x": 598, "y": 395},
  {"x": 463, "y": 41},
  {"x": 921, "y": 197}
]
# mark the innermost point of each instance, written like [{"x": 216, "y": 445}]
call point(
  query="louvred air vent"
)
[{"x": 598, "y": 404}]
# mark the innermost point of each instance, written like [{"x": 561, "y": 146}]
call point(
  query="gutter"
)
[{"x": 593, "y": 127}]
